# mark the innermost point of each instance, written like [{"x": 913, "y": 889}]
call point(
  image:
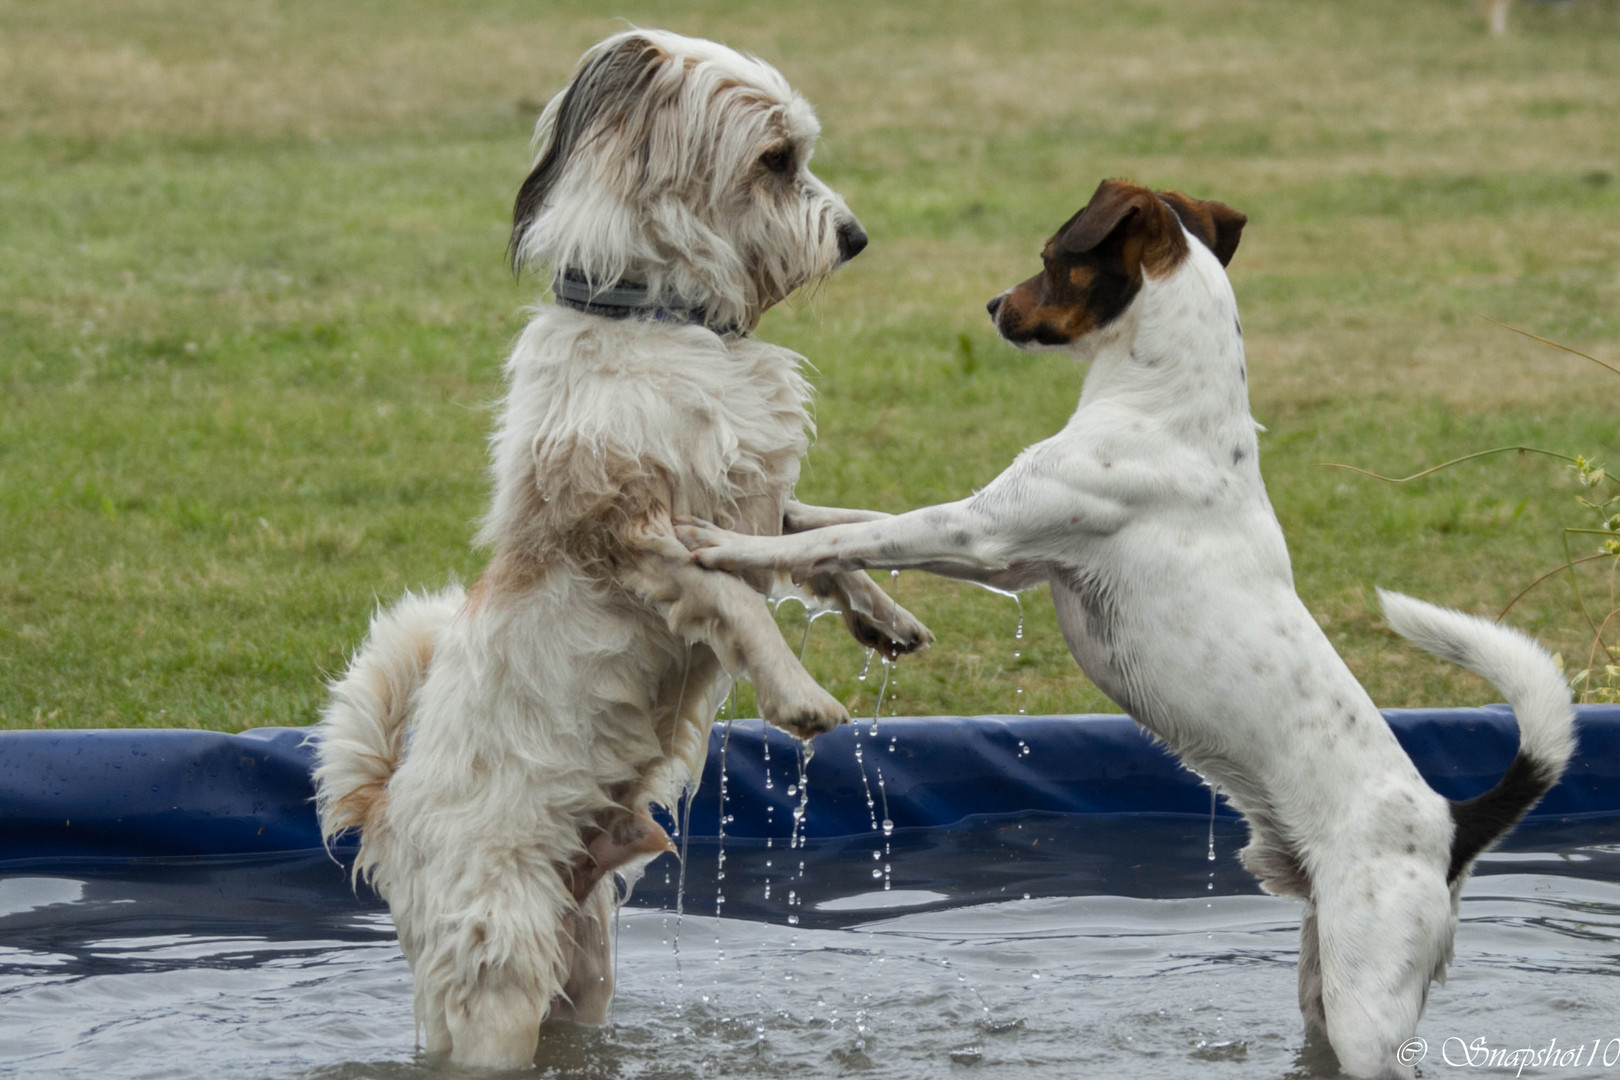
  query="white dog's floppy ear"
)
[
  {"x": 1217, "y": 225},
  {"x": 615, "y": 80}
]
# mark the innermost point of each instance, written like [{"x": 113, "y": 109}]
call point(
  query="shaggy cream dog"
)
[{"x": 499, "y": 749}]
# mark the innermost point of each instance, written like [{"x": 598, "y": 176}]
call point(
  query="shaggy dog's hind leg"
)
[
  {"x": 496, "y": 1024},
  {"x": 589, "y": 990},
  {"x": 498, "y": 953}
]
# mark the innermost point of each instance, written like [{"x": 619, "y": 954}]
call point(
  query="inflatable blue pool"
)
[
  {"x": 959, "y": 892},
  {"x": 72, "y": 796}
]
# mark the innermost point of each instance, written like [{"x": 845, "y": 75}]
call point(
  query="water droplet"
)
[{"x": 888, "y": 827}]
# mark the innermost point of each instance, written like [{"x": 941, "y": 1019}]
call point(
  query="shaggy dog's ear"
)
[{"x": 613, "y": 83}]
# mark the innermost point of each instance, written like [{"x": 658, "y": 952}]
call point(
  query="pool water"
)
[{"x": 1027, "y": 947}]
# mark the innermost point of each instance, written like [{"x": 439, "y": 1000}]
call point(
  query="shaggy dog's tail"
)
[
  {"x": 361, "y": 738},
  {"x": 1532, "y": 684}
]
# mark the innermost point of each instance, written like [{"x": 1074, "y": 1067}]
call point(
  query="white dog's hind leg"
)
[
  {"x": 1383, "y": 929},
  {"x": 1310, "y": 973}
]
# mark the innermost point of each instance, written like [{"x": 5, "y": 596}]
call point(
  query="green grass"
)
[{"x": 253, "y": 307}]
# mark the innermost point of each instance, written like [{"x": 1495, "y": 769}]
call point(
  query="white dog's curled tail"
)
[
  {"x": 361, "y": 737},
  {"x": 1525, "y": 674}
]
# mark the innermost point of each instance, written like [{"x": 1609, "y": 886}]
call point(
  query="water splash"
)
[
  {"x": 720, "y": 856},
  {"x": 1018, "y": 652},
  {"x": 888, "y": 830},
  {"x": 883, "y": 692},
  {"x": 683, "y": 830},
  {"x": 860, "y": 765},
  {"x": 1210, "y": 854},
  {"x": 683, "y": 821},
  {"x": 806, "y": 751},
  {"x": 766, "y": 741}
]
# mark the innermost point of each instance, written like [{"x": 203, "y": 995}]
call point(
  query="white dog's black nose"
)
[
  {"x": 851, "y": 240},
  {"x": 993, "y": 306}
]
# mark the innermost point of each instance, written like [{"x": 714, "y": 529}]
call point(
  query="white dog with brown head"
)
[
  {"x": 576, "y": 682},
  {"x": 1148, "y": 518}
]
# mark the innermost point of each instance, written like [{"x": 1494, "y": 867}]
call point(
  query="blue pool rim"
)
[{"x": 68, "y": 796}]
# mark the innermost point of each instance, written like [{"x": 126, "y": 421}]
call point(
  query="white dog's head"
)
[{"x": 682, "y": 166}]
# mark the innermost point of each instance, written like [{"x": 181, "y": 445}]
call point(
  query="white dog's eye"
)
[{"x": 779, "y": 160}]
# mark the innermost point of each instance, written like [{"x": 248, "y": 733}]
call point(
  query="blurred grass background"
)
[{"x": 253, "y": 306}]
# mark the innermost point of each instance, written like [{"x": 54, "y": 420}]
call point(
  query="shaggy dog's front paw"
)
[
  {"x": 893, "y": 632},
  {"x": 804, "y": 712}
]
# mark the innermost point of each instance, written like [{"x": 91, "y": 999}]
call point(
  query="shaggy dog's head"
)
[{"x": 682, "y": 166}]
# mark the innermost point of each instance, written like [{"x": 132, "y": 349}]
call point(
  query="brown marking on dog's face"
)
[
  {"x": 1094, "y": 267},
  {"x": 1217, "y": 225}
]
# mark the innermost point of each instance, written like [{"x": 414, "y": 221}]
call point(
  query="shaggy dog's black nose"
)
[
  {"x": 851, "y": 241},
  {"x": 993, "y": 306}
]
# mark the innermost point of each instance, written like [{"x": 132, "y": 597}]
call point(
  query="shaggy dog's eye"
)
[{"x": 779, "y": 160}]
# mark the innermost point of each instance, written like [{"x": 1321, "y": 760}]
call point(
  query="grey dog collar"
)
[{"x": 626, "y": 299}]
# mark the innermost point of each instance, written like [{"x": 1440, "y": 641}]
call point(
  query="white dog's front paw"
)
[{"x": 714, "y": 548}]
